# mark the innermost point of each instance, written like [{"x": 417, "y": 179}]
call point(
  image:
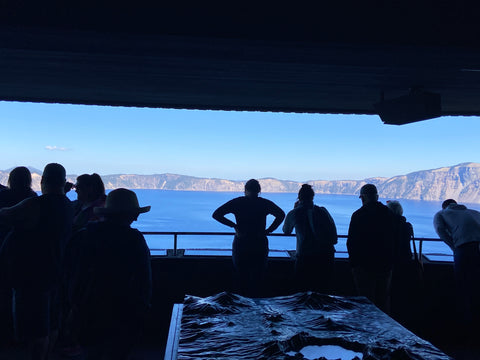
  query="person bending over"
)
[{"x": 459, "y": 227}]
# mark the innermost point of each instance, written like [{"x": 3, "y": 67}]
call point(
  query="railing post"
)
[{"x": 175, "y": 244}]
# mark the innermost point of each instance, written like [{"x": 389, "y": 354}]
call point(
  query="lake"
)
[{"x": 174, "y": 211}]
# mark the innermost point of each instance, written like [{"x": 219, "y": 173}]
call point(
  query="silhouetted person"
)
[
  {"x": 90, "y": 194},
  {"x": 316, "y": 236},
  {"x": 405, "y": 278},
  {"x": 370, "y": 246},
  {"x": 250, "y": 244},
  {"x": 35, "y": 248},
  {"x": 403, "y": 234},
  {"x": 459, "y": 228},
  {"x": 19, "y": 188},
  {"x": 113, "y": 284}
]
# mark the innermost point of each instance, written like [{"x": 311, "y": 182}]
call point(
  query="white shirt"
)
[{"x": 457, "y": 225}]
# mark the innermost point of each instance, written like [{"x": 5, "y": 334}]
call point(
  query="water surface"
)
[{"x": 174, "y": 211}]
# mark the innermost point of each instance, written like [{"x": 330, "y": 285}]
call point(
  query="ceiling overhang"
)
[{"x": 343, "y": 58}]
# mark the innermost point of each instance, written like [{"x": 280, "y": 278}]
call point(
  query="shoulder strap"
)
[
  {"x": 417, "y": 256},
  {"x": 327, "y": 228}
]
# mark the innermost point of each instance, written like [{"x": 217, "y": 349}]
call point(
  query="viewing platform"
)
[{"x": 203, "y": 272}]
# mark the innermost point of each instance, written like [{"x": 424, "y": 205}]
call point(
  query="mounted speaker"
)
[{"x": 416, "y": 106}]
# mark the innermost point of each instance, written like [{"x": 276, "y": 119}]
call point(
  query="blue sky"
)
[{"x": 230, "y": 145}]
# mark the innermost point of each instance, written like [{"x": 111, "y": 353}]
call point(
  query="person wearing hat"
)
[
  {"x": 112, "y": 286},
  {"x": 370, "y": 245},
  {"x": 35, "y": 251}
]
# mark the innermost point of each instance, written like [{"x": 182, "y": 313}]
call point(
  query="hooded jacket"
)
[{"x": 457, "y": 225}]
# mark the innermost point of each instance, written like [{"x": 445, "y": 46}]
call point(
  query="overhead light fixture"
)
[{"x": 416, "y": 106}]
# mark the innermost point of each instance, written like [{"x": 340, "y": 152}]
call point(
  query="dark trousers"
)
[
  {"x": 36, "y": 313},
  {"x": 315, "y": 273},
  {"x": 375, "y": 285},
  {"x": 467, "y": 276},
  {"x": 250, "y": 258},
  {"x": 250, "y": 271},
  {"x": 407, "y": 293},
  {"x": 6, "y": 318}
]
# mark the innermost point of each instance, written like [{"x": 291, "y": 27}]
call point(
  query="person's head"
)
[
  {"x": 53, "y": 178},
  {"x": 448, "y": 202},
  {"x": 98, "y": 188},
  {"x": 20, "y": 178},
  {"x": 395, "y": 207},
  {"x": 89, "y": 188},
  {"x": 83, "y": 187},
  {"x": 121, "y": 206},
  {"x": 252, "y": 187},
  {"x": 368, "y": 193},
  {"x": 306, "y": 193}
]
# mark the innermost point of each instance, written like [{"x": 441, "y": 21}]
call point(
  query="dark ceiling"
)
[{"x": 334, "y": 57}]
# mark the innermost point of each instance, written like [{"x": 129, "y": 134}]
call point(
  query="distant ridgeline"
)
[{"x": 460, "y": 182}]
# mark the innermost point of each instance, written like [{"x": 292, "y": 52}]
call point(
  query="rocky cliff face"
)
[
  {"x": 460, "y": 182},
  {"x": 170, "y": 182}
]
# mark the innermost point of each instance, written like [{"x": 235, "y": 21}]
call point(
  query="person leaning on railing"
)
[
  {"x": 459, "y": 227},
  {"x": 250, "y": 244}
]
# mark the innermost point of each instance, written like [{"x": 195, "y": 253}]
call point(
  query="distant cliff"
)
[{"x": 461, "y": 182}]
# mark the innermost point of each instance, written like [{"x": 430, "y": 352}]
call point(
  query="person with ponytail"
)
[{"x": 316, "y": 236}]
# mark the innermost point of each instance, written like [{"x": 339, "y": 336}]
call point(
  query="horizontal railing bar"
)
[
  {"x": 187, "y": 233},
  {"x": 232, "y": 233},
  {"x": 200, "y": 233},
  {"x": 175, "y": 235},
  {"x": 439, "y": 254}
]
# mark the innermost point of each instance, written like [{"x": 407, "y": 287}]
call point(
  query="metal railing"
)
[{"x": 176, "y": 235}]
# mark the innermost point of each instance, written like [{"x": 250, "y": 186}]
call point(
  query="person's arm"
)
[
  {"x": 279, "y": 215},
  {"x": 24, "y": 213},
  {"x": 289, "y": 223},
  {"x": 220, "y": 213},
  {"x": 442, "y": 229},
  {"x": 332, "y": 231},
  {"x": 410, "y": 229},
  {"x": 352, "y": 241},
  {"x": 144, "y": 279}
]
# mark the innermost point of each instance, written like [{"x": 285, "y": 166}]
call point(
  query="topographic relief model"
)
[{"x": 301, "y": 326}]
